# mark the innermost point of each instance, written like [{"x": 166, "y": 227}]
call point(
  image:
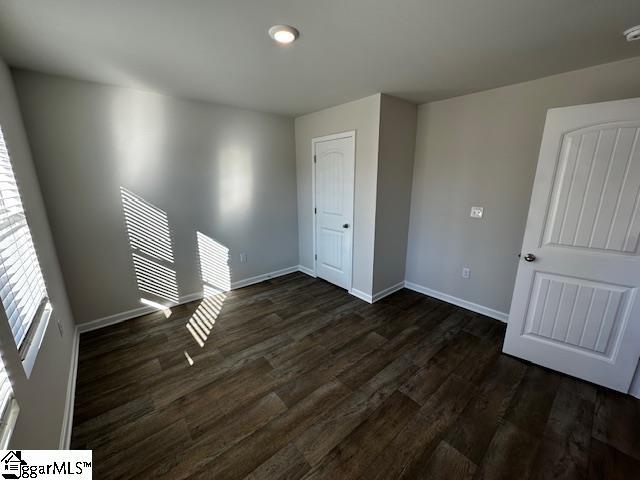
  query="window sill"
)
[{"x": 41, "y": 327}]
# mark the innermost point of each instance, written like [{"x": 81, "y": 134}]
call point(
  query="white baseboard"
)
[
  {"x": 188, "y": 298},
  {"x": 474, "y": 307},
  {"x": 376, "y": 296},
  {"x": 261, "y": 278},
  {"x": 387, "y": 291},
  {"x": 144, "y": 310},
  {"x": 115, "y": 318},
  {"x": 67, "y": 419},
  {"x": 307, "y": 270},
  {"x": 361, "y": 295}
]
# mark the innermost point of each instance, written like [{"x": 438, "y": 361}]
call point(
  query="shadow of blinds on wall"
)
[
  {"x": 22, "y": 288},
  {"x": 151, "y": 250},
  {"x": 216, "y": 281}
]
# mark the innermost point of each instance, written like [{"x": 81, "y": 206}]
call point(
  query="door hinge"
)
[
  {"x": 314, "y": 159},
  {"x": 315, "y": 210},
  {"x": 315, "y": 256}
]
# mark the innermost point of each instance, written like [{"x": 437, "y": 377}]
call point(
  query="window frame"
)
[{"x": 32, "y": 339}]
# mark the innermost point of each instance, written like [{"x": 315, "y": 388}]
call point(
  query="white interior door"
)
[
  {"x": 575, "y": 306},
  {"x": 334, "y": 161}
]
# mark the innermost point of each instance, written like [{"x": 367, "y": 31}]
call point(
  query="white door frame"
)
[{"x": 335, "y": 136}]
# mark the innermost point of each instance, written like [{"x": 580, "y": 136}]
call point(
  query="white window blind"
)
[
  {"x": 8, "y": 407},
  {"x": 22, "y": 288}
]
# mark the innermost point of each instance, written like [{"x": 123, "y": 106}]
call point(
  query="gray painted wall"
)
[
  {"x": 226, "y": 172},
  {"x": 362, "y": 116},
  {"x": 395, "y": 173},
  {"x": 482, "y": 150},
  {"x": 42, "y": 397}
]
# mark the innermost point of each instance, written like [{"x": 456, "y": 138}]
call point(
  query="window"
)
[
  {"x": 22, "y": 288},
  {"x": 8, "y": 407}
]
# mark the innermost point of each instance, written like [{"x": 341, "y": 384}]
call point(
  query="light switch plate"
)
[{"x": 476, "y": 212}]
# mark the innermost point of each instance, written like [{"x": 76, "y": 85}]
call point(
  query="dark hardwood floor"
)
[{"x": 298, "y": 379}]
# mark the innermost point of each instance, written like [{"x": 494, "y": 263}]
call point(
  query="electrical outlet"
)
[
  {"x": 243, "y": 258},
  {"x": 476, "y": 212},
  {"x": 466, "y": 271},
  {"x": 60, "y": 328}
]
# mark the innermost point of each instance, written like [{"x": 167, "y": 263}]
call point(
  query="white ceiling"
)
[{"x": 217, "y": 50}]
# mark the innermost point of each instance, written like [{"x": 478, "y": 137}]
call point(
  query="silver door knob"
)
[
  {"x": 346, "y": 225},
  {"x": 529, "y": 257}
]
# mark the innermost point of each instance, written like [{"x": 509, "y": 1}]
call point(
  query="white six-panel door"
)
[
  {"x": 575, "y": 306},
  {"x": 334, "y": 162}
]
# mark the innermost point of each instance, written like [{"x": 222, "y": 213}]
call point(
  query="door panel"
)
[
  {"x": 330, "y": 244},
  {"x": 334, "y": 180},
  {"x": 577, "y": 313},
  {"x": 575, "y": 307},
  {"x": 596, "y": 196}
]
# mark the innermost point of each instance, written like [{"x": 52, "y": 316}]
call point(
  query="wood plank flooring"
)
[{"x": 297, "y": 379}]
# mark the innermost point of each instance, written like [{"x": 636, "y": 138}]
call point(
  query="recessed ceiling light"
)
[
  {"x": 283, "y": 34},
  {"x": 632, "y": 33}
]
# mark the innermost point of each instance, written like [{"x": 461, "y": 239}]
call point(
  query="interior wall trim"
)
[
  {"x": 388, "y": 291},
  {"x": 144, "y": 310},
  {"x": 261, "y": 278},
  {"x": 67, "y": 419},
  {"x": 361, "y": 295},
  {"x": 474, "y": 307},
  {"x": 306, "y": 270}
]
